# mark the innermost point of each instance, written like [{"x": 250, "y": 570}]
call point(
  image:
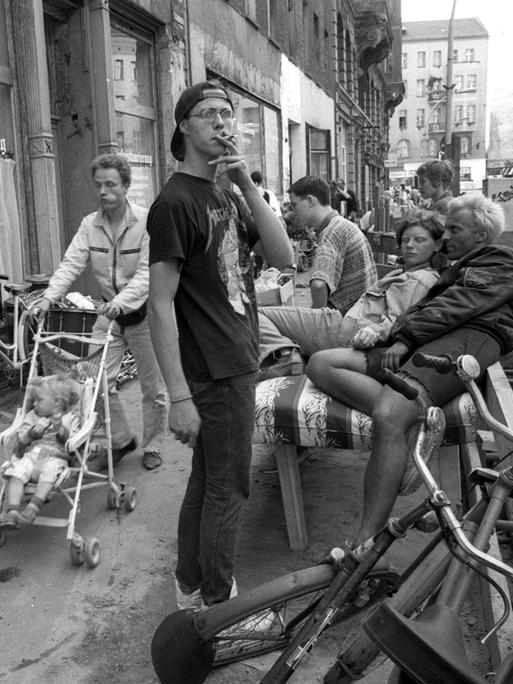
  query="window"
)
[
  {"x": 250, "y": 7},
  {"x": 424, "y": 148},
  {"x": 134, "y": 101},
  {"x": 118, "y": 70},
  {"x": 316, "y": 41},
  {"x": 432, "y": 147},
  {"x": 421, "y": 87},
  {"x": 437, "y": 58},
  {"x": 340, "y": 50},
  {"x": 469, "y": 55},
  {"x": 403, "y": 123},
  {"x": 465, "y": 171},
  {"x": 471, "y": 81},
  {"x": 421, "y": 59},
  {"x": 403, "y": 149},
  {"x": 458, "y": 83},
  {"x": 421, "y": 118},
  {"x": 458, "y": 114},
  {"x": 471, "y": 113},
  {"x": 318, "y": 146},
  {"x": 258, "y": 132},
  {"x": 404, "y": 60}
]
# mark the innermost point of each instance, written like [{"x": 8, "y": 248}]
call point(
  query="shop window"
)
[
  {"x": 257, "y": 128},
  {"x": 318, "y": 146},
  {"x": 134, "y": 97}
]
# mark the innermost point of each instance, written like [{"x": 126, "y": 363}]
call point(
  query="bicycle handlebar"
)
[
  {"x": 398, "y": 384},
  {"x": 442, "y": 364}
]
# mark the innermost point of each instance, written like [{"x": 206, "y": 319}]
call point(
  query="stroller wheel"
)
[
  {"x": 130, "y": 499},
  {"x": 77, "y": 553},
  {"x": 92, "y": 552}
]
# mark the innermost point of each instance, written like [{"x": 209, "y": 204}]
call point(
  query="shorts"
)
[
  {"x": 37, "y": 466},
  {"x": 437, "y": 388}
]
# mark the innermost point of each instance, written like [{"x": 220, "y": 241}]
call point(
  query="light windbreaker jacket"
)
[
  {"x": 381, "y": 305},
  {"x": 120, "y": 267}
]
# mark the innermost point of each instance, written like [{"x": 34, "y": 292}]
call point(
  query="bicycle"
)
[
  {"x": 293, "y": 611},
  {"x": 16, "y": 328}
]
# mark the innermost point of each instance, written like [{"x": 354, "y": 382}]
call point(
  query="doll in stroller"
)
[{"x": 40, "y": 447}]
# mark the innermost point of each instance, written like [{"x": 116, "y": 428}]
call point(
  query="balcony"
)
[
  {"x": 436, "y": 96},
  {"x": 436, "y": 127}
]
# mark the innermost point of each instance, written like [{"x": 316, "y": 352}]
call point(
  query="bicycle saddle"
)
[
  {"x": 17, "y": 288},
  {"x": 430, "y": 649}
]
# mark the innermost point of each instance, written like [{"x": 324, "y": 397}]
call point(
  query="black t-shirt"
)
[{"x": 209, "y": 231}]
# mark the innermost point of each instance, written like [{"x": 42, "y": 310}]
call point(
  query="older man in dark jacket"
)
[{"x": 468, "y": 311}]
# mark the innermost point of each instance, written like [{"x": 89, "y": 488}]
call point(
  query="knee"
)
[
  {"x": 317, "y": 367},
  {"x": 391, "y": 417}
]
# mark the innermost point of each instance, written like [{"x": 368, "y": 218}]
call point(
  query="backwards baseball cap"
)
[{"x": 187, "y": 100}]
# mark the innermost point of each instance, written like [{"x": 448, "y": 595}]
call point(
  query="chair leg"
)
[{"x": 290, "y": 482}]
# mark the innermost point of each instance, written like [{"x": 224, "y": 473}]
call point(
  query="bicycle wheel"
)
[{"x": 268, "y": 617}]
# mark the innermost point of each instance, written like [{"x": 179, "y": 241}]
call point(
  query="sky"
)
[{"x": 497, "y": 18}]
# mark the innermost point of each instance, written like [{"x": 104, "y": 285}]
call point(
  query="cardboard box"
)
[{"x": 278, "y": 295}]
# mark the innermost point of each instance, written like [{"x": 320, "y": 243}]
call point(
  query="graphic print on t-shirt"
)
[{"x": 231, "y": 273}]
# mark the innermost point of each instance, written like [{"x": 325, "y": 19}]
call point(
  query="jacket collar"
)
[{"x": 129, "y": 218}]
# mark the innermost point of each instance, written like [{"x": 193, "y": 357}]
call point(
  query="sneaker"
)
[
  {"x": 192, "y": 601},
  {"x": 29, "y": 513},
  {"x": 151, "y": 460},
  {"x": 289, "y": 362}
]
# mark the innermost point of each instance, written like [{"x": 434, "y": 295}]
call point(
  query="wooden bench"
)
[{"x": 291, "y": 412}]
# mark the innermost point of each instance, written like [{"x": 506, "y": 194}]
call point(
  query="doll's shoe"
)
[
  {"x": 10, "y": 520},
  {"x": 29, "y": 513}
]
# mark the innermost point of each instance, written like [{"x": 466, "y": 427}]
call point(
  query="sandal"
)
[{"x": 152, "y": 460}]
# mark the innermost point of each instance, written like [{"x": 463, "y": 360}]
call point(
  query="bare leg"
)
[
  {"x": 341, "y": 374},
  {"x": 392, "y": 416},
  {"x": 43, "y": 490}
]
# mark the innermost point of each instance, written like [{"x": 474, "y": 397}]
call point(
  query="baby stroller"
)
[{"x": 86, "y": 366}]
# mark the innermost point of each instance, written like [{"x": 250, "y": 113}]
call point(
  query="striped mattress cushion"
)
[{"x": 291, "y": 410}]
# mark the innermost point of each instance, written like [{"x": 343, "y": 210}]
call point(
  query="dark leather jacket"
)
[{"x": 476, "y": 292}]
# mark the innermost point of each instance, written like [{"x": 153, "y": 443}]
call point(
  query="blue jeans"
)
[{"x": 218, "y": 486}]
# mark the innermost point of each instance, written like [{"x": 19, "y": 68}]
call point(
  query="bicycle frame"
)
[
  {"x": 436, "y": 637},
  {"x": 14, "y": 354}
]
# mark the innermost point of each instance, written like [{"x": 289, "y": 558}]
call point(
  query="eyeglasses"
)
[{"x": 210, "y": 113}]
